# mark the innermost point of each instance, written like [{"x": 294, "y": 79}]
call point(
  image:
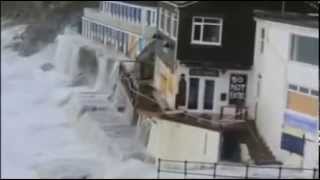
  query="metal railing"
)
[{"x": 212, "y": 170}]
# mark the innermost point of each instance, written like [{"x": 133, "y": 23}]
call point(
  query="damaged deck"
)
[{"x": 210, "y": 121}]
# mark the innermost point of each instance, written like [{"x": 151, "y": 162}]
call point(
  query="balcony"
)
[{"x": 122, "y": 24}]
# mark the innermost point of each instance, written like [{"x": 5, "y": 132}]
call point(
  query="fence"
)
[{"x": 212, "y": 170}]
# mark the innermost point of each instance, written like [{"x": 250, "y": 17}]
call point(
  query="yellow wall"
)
[{"x": 165, "y": 82}]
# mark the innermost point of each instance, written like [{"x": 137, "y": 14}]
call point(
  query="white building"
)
[
  {"x": 127, "y": 26},
  {"x": 286, "y": 86}
]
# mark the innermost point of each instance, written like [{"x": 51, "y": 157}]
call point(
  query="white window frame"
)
[
  {"x": 201, "y": 42},
  {"x": 174, "y": 17}
]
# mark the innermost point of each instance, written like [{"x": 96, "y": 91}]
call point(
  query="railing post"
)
[
  {"x": 247, "y": 172},
  {"x": 280, "y": 171},
  {"x": 221, "y": 113},
  {"x": 158, "y": 171},
  {"x": 214, "y": 170},
  {"x": 314, "y": 173},
  {"x": 185, "y": 169}
]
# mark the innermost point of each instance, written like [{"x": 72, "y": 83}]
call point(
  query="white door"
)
[{"x": 201, "y": 94}]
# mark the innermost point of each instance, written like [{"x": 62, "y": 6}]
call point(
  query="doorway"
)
[
  {"x": 230, "y": 150},
  {"x": 201, "y": 94}
]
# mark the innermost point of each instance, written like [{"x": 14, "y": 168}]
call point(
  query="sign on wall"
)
[
  {"x": 292, "y": 144},
  {"x": 204, "y": 72},
  {"x": 238, "y": 88}
]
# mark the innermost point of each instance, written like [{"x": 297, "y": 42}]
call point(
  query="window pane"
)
[
  {"x": 193, "y": 94},
  {"x": 153, "y": 17},
  {"x": 135, "y": 14},
  {"x": 216, "y": 21},
  {"x": 162, "y": 20},
  {"x": 305, "y": 49},
  {"x": 262, "y": 33},
  {"x": 315, "y": 93},
  {"x": 148, "y": 18},
  {"x": 208, "y": 96},
  {"x": 197, "y": 32},
  {"x": 197, "y": 19},
  {"x": 175, "y": 28},
  {"x": 293, "y": 87},
  {"x": 211, "y": 33},
  {"x": 304, "y": 90},
  {"x": 168, "y": 24},
  {"x": 139, "y": 15}
]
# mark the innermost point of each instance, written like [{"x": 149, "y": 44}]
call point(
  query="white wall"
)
[
  {"x": 176, "y": 141},
  {"x": 273, "y": 66}
]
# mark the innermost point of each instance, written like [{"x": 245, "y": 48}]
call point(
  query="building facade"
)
[
  {"x": 127, "y": 26},
  {"x": 203, "y": 62},
  {"x": 286, "y": 86},
  {"x": 201, "y": 46}
]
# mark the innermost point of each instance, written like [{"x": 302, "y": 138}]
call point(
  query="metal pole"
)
[
  {"x": 247, "y": 171},
  {"x": 221, "y": 113},
  {"x": 214, "y": 170},
  {"x": 314, "y": 173},
  {"x": 280, "y": 170},
  {"x": 185, "y": 169},
  {"x": 158, "y": 171}
]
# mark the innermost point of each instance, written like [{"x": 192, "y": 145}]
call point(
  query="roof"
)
[
  {"x": 143, "y": 3},
  {"x": 305, "y": 20}
]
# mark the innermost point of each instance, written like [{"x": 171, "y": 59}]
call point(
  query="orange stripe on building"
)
[{"x": 303, "y": 104}]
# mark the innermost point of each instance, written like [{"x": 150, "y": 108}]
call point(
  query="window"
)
[
  {"x": 148, "y": 18},
  {"x": 293, "y": 87},
  {"x": 305, "y": 49},
  {"x": 208, "y": 95},
  {"x": 168, "y": 23},
  {"x": 193, "y": 93},
  {"x": 315, "y": 93},
  {"x": 304, "y": 90},
  {"x": 162, "y": 19},
  {"x": 139, "y": 15},
  {"x": 112, "y": 8},
  {"x": 153, "y": 18},
  {"x": 207, "y": 31},
  {"x": 135, "y": 14},
  {"x": 174, "y": 26}
]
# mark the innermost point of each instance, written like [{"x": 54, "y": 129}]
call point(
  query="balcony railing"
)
[{"x": 105, "y": 19}]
